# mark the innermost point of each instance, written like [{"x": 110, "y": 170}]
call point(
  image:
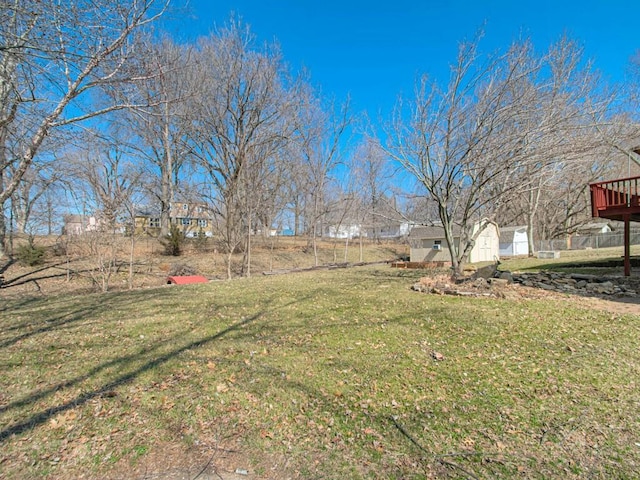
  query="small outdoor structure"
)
[
  {"x": 593, "y": 228},
  {"x": 185, "y": 279},
  {"x": 513, "y": 241},
  {"x": 618, "y": 200},
  {"x": 548, "y": 254},
  {"x": 428, "y": 244}
]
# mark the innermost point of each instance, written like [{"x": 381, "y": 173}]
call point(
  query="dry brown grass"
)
[{"x": 77, "y": 264}]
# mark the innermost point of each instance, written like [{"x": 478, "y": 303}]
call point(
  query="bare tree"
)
[
  {"x": 370, "y": 171},
  {"x": 320, "y": 136},
  {"x": 241, "y": 119},
  {"x": 450, "y": 141},
  {"x": 160, "y": 126},
  {"x": 52, "y": 56},
  {"x": 107, "y": 177},
  {"x": 501, "y": 125},
  {"x": 36, "y": 182},
  {"x": 567, "y": 133}
]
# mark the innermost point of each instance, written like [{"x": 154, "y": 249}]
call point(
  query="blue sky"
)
[{"x": 373, "y": 50}]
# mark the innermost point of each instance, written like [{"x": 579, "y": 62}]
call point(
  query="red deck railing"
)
[
  {"x": 615, "y": 196},
  {"x": 618, "y": 200}
]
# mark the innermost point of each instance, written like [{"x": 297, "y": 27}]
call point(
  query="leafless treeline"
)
[
  {"x": 515, "y": 138},
  {"x": 97, "y": 110}
]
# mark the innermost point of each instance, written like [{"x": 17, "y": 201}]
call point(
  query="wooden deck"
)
[{"x": 616, "y": 199}]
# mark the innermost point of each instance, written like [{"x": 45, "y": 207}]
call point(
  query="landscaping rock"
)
[
  {"x": 498, "y": 282},
  {"x": 505, "y": 284},
  {"x": 506, "y": 276},
  {"x": 578, "y": 283}
]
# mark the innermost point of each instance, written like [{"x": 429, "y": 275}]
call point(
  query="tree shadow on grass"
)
[
  {"x": 158, "y": 359},
  {"x": 69, "y": 316},
  {"x": 45, "y": 415},
  {"x": 31, "y": 275}
]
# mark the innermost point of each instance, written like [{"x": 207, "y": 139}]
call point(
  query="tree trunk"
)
[
  {"x": 229, "y": 263},
  {"x": 3, "y": 227},
  {"x": 346, "y": 249},
  {"x": 534, "y": 201},
  {"x": 248, "y": 255},
  {"x": 131, "y": 258},
  {"x": 315, "y": 244},
  {"x": 166, "y": 173},
  {"x": 3, "y": 233}
]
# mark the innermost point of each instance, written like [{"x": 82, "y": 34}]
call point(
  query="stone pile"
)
[
  {"x": 577, "y": 283},
  {"x": 567, "y": 283}
]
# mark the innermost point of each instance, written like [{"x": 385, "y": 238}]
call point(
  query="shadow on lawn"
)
[
  {"x": 45, "y": 415},
  {"x": 62, "y": 314},
  {"x": 32, "y": 276},
  {"x": 41, "y": 417}
]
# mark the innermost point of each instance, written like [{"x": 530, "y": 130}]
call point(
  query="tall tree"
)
[
  {"x": 107, "y": 176},
  {"x": 321, "y": 132},
  {"x": 52, "y": 56},
  {"x": 498, "y": 126},
  {"x": 370, "y": 170},
  {"x": 241, "y": 119},
  {"x": 448, "y": 140},
  {"x": 164, "y": 89}
]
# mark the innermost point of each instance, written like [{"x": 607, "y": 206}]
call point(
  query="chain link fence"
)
[{"x": 582, "y": 242}]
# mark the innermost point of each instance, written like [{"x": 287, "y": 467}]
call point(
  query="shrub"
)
[
  {"x": 200, "y": 241},
  {"x": 30, "y": 254},
  {"x": 173, "y": 242}
]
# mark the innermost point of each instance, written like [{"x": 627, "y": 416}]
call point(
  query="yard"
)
[{"x": 327, "y": 374}]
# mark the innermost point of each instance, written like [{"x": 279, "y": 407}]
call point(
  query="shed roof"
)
[
  {"x": 186, "y": 279},
  {"x": 431, "y": 232},
  {"x": 507, "y": 234},
  {"x": 593, "y": 226}
]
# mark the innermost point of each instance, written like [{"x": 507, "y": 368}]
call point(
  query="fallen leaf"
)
[
  {"x": 222, "y": 387},
  {"x": 437, "y": 356}
]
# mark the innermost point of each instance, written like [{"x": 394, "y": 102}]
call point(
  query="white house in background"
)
[
  {"x": 389, "y": 230},
  {"x": 513, "y": 241},
  {"x": 79, "y": 224},
  {"x": 428, "y": 244},
  {"x": 346, "y": 230}
]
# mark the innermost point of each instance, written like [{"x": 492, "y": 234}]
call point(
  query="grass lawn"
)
[{"x": 331, "y": 374}]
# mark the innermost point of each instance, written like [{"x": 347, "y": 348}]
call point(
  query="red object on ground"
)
[{"x": 186, "y": 279}]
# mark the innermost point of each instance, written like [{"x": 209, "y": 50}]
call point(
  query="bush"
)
[
  {"x": 200, "y": 241},
  {"x": 30, "y": 254},
  {"x": 173, "y": 242}
]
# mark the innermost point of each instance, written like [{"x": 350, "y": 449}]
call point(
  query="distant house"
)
[
  {"x": 350, "y": 230},
  {"x": 428, "y": 244},
  {"x": 79, "y": 224},
  {"x": 390, "y": 229},
  {"x": 192, "y": 219},
  {"x": 513, "y": 241}
]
